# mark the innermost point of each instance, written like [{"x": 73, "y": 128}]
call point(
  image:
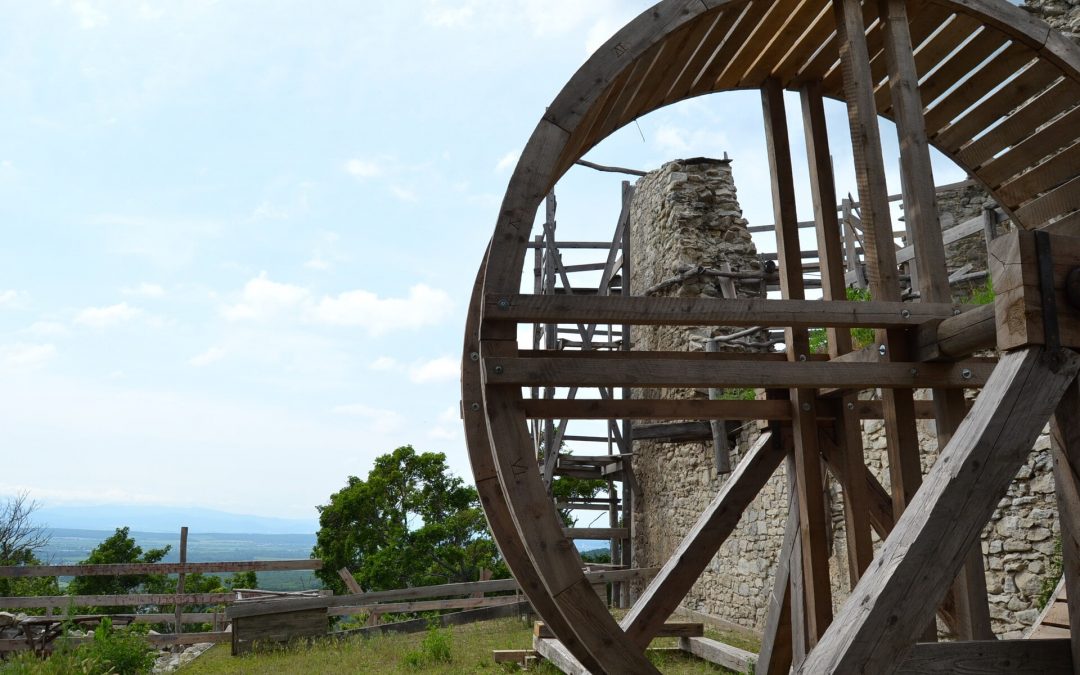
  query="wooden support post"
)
[
  {"x": 721, "y": 447},
  {"x": 815, "y": 554},
  {"x": 350, "y": 581},
  {"x": 901, "y": 434},
  {"x": 180, "y": 586},
  {"x": 1065, "y": 447},
  {"x": 849, "y": 431},
  {"x": 774, "y": 657},
  {"x": 920, "y": 205},
  {"x": 897, "y": 597}
]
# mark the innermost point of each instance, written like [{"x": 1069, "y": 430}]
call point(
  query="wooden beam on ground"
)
[
  {"x": 653, "y": 370},
  {"x": 1065, "y": 447},
  {"x": 723, "y": 655},
  {"x": 557, "y": 653},
  {"x": 1017, "y": 657},
  {"x": 698, "y": 547},
  {"x": 896, "y": 598}
]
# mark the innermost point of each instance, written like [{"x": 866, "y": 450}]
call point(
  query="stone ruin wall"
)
[{"x": 684, "y": 215}]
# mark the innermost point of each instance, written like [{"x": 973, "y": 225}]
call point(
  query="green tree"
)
[
  {"x": 410, "y": 523},
  {"x": 20, "y": 540},
  {"x": 121, "y": 548}
]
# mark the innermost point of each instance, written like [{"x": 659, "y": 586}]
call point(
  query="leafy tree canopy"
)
[
  {"x": 410, "y": 523},
  {"x": 121, "y": 548},
  {"x": 20, "y": 539}
]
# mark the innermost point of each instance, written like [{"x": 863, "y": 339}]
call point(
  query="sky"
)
[{"x": 240, "y": 236}]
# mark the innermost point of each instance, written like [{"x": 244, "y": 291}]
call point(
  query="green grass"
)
[{"x": 457, "y": 650}]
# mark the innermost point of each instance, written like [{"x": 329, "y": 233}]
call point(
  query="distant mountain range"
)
[{"x": 147, "y": 518}]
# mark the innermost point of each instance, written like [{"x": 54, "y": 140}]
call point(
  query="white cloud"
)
[
  {"x": 23, "y": 356},
  {"x": 88, "y": 15},
  {"x": 383, "y": 421},
  {"x": 363, "y": 168},
  {"x": 207, "y": 357},
  {"x": 435, "y": 370},
  {"x": 449, "y": 426},
  {"x": 439, "y": 14},
  {"x": 144, "y": 290},
  {"x": 101, "y": 317},
  {"x": 264, "y": 299},
  {"x": 507, "y": 161},
  {"x": 47, "y": 328},
  {"x": 384, "y": 363},
  {"x": 403, "y": 193},
  {"x": 424, "y": 306},
  {"x": 11, "y": 299},
  {"x": 318, "y": 264},
  {"x": 673, "y": 141}
]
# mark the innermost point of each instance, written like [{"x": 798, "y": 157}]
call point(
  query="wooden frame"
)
[{"x": 969, "y": 111}]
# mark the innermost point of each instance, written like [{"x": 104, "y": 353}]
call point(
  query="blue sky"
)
[{"x": 239, "y": 236}]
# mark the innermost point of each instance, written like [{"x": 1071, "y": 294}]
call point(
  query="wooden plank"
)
[
  {"x": 1059, "y": 201},
  {"x": 518, "y": 656},
  {"x": 1058, "y": 134},
  {"x": 1065, "y": 450},
  {"x": 960, "y": 65},
  {"x": 723, "y": 655},
  {"x": 653, "y": 371},
  {"x": 157, "y": 568},
  {"x": 1047, "y": 175},
  {"x": 772, "y": 38},
  {"x": 178, "y": 625},
  {"x": 817, "y": 34},
  {"x": 1002, "y": 102},
  {"x": 555, "y": 652},
  {"x": 424, "y": 605},
  {"x": 596, "y": 532},
  {"x": 700, "y": 544},
  {"x": 349, "y": 580},
  {"x": 734, "y": 41},
  {"x": 1022, "y": 657},
  {"x": 1017, "y": 294},
  {"x": 132, "y": 599},
  {"x": 691, "y": 409},
  {"x": 743, "y": 312},
  {"x": 1021, "y": 123},
  {"x": 896, "y": 598},
  {"x": 989, "y": 77}
]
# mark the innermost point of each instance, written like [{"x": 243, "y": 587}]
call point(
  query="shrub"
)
[
  {"x": 436, "y": 648},
  {"x": 123, "y": 652}
]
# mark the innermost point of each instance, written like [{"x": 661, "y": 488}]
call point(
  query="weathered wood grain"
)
[{"x": 897, "y": 596}]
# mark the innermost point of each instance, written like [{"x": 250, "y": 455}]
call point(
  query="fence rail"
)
[{"x": 23, "y": 571}]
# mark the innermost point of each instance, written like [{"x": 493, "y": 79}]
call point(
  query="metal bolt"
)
[
  {"x": 504, "y": 303},
  {"x": 956, "y": 311},
  {"x": 498, "y": 370},
  {"x": 914, "y": 371},
  {"x": 906, "y": 313},
  {"x": 475, "y": 407},
  {"x": 850, "y": 406},
  {"x": 802, "y": 357},
  {"x": 881, "y": 349},
  {"x": 806, "y": 407},
  {"x": 966, "y": 373},
  {"x": 473, "y": 356}
]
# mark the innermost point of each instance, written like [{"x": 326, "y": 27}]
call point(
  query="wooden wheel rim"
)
[{"x": 594, "y": 103}]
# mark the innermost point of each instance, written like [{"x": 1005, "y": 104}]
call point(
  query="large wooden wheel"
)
[{"x": 989, "y": 86}]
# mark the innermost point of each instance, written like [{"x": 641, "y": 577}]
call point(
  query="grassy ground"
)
[{"x": 467, "y": 647}]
